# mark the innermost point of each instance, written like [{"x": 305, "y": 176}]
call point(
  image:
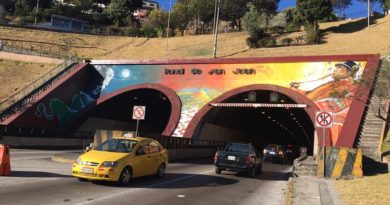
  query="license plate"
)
[
  {"x": 271, "y": 152},
  {"x": 87, "y": 170},
  {"x": 231, "y": 158}
]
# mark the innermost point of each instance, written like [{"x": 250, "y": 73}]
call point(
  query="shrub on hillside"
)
[
  {"x": 313, "y": 36},
  {"x": 138, "y": 32},
  {"x": 276, "y": 29},
  {"x": 266, "y": 42},
  {"x": 252, "y": 43},
  {"x": 292, "y": 27},
  {"x": 286, "y": 41},
  {"x": 116, "y": 31},
  {"x": 2, "y": 13},
  {"x": 24, "y": 20}
]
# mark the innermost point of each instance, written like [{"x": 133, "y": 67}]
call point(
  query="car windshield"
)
[
  {"x": 238, "y": 148},
  {"x": 117, "y": 145}
]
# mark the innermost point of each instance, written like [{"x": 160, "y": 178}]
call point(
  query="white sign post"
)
[
  {"x": 138, "y": 114},
  {"x": 324, "y": 120}
]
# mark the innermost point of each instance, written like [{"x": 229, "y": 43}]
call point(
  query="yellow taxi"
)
[{"x": 121, "y": 159}]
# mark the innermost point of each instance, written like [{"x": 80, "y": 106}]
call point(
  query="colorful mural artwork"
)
[
  {"x": 62, "y": 112},
  {"x": 330, "y": 85}
]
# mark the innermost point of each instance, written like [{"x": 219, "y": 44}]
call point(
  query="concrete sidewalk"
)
[
  {"x": 310, "y": 190},
  {"x": 29, "y": 58}
]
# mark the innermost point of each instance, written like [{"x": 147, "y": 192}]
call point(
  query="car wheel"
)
[
  {"x": 125, "y": 177},
  {"x": 218, "y": 170},
  {"x": 252, "y": 172},
  {"x": 259, "y": 169},
  {"x": 161, "y": 171}
]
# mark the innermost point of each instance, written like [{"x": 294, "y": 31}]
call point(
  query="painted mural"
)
[
  {"x": 331, "y": 85},
  {"x": 59, "y": 110}
]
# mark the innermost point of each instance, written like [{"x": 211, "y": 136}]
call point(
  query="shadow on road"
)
[
  {"x": 176, "y": 180},
  {"x": 37, "y": 174}
]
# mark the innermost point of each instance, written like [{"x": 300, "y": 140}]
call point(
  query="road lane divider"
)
[{"x": 340, "y": 162}]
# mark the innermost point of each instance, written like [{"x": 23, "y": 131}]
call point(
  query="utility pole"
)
[
  {"x": 216, "y": 31},
  {"x": 169, "y": 19},
  {"x": 215, "y": 13},
  {"x": 368, "y": 13},
  {"x": 36, "y": 13}
]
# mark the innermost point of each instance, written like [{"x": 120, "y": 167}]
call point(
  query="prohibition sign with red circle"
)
[
  {"x": 324, "y": 119},
  {"x": 139, "y": 112}
]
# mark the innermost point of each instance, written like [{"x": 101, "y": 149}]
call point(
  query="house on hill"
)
[{"x": 147, "y": 6}]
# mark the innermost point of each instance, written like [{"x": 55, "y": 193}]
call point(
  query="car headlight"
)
[
  {"x": 110, "y": 164},
  {"x": 78, "y": 160}
]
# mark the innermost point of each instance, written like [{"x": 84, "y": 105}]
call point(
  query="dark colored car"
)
[
  {"x": 239, "y": 157},
  {"x": 293, "y": 152},
  {"x": 275, "y": 153}
]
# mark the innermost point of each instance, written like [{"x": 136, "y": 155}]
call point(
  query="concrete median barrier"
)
[
  {"x": 340, "y": 162},
  {"x": 5, "y": 164}
]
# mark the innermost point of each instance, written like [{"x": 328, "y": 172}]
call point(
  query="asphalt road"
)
[{"x": 38, "y": 180}]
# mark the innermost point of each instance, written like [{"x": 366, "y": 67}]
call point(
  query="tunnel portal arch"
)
[
  {"x": 195, "y": 124},
  {"x": 171, "y": 96}
]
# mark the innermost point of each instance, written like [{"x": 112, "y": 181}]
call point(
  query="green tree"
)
[
  {"x": 22, "y": 7},
  {"x": 310, "y": 12},
  {"x": 340, "y": 6},
  {"x": 121, "y": 11},
  {"x": 2, "y": 13},
  {"x": 157, "y": 19},
  {"x": 202, "y": 11},
  {"x": 8, "y": 5},
  {"x": 254, "y": 23},
  {"x": 385, "y": 4},
  {"x": 267, "y": 8},
  {"x": 180, "y": 16},
  {"x": 233, "y": 11}
]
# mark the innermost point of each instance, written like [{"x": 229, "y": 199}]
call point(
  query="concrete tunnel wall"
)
[{"x": 219, "y": 133}]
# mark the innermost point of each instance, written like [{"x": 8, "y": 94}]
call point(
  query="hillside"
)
[
  {"x": 16, "y": 74},
  {"x": 344, "y": 37}
]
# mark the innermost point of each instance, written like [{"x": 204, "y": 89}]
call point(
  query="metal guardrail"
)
[
  {"x": 168, "y": 142},
  {"x": 25, "y": 96},
  {"x": 42, "y": 49}
]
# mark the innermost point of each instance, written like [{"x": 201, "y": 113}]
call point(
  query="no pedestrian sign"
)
[
  {"x": 324, "y": 119},
  {"x": 139, "y": 112}
]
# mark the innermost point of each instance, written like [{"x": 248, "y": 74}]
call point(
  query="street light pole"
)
[
  {"x": 368, "y": 13},
  {"x": 215, "y": 13},
  {"x": 36, "y": 13},
  {"x": 169, "y": 19},
  {"x": 216, "y": 31}
]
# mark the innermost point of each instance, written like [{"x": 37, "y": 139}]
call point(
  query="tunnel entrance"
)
[
  {"x": 260, "y": 125},
  {"x": 115, "y": 112}
]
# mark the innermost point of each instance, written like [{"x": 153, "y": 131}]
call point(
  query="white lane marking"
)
[{"x": 139, "y": 189}]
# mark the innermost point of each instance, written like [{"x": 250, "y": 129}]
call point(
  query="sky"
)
[{"x": 358, "y": 9}]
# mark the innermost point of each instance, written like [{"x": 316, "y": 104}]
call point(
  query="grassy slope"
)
[
  {"x": 15, "y": 74},
  {"x": 368, "y": 190},
  {"x": 345, "y": 37}
]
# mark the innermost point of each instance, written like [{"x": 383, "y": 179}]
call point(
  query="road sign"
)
[
  {"x": 324, "y": 119},
  {"x": 139, "y": 112}
]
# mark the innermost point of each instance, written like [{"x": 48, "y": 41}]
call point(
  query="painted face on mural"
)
[{"x": 341, "y": 72}]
